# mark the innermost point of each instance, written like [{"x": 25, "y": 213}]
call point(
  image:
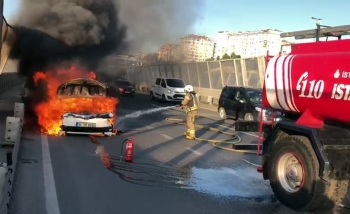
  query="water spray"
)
[
  {"x": 137, "y": 114},
  {"x": 144, "y": 112}
]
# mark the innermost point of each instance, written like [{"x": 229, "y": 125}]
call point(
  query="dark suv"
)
[{"x": 240, "y": 103}]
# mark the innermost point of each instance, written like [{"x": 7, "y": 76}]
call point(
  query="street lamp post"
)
[
  {"x": 317, "y": 27},
  {"x": 317, "y": 20}
]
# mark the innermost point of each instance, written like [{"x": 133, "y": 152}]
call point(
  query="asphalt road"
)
[{"x": 63, "y": 175}]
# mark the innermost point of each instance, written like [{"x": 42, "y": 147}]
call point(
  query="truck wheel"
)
[
  {"x": 248, "y": 117},
  {"x": 293, "y": 173}
]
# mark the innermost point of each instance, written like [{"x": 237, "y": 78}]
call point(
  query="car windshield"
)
[
  {"x": 254, "y": 96},
  {"x": 175, "y": 83},
  {"x": 123, "y": 83}
]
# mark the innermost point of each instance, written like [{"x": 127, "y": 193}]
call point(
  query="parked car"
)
[
  {"x": 125, "y": 88},
  {"x": 168, "y": 89},
  {"x": 241, "y": 103}
]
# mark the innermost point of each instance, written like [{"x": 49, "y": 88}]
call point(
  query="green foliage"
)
[
  {"x": 234, "y": 56},
  {"x": 226, "y": 56}
]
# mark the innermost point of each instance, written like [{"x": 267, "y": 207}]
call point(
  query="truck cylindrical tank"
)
[{"x": 319, "y": 83}]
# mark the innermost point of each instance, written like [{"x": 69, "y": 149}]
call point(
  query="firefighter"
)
[{"x": 190, "y": 104}]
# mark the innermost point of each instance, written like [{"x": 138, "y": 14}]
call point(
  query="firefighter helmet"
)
[{"x": 189, "y": 88}]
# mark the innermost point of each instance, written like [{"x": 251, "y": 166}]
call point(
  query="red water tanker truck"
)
[{"x": 306, "y": 155}]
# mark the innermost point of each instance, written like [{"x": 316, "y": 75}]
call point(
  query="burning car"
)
[{"x": 81, "y": 120}]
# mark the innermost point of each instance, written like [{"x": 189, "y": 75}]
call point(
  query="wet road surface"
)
[{"x": 170, "y": 174}]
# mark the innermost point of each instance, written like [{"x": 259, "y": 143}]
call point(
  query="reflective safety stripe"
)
[
  {"x": 191, "y": 109},
  {"x": 192, "y": 131}
]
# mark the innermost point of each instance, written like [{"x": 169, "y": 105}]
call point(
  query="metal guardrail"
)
[
  {"x": 12, "y": 137},
  {"x": 9, "y": 78}
]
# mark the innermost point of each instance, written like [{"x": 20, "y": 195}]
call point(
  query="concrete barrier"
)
[
  {"x": 7, "y": 171},
  {"x": 215, "y": 101},
  {"x": 204, "y": 99}
]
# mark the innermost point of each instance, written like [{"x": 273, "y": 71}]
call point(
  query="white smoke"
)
[{"x": 120, "y": 125}]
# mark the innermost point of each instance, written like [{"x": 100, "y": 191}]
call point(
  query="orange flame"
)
[
  {"x": 49, "y": 112},
  {"x": 92, "y": 75}
]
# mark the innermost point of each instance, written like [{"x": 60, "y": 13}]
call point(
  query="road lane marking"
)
[
  {"x": 247, "y": 133},
  {"x": 167, "y": 136},
  {"x": 51, "y": 201},
  {"x": 194, "y": 151}
]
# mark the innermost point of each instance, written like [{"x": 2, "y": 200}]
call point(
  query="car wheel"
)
[
  {"x": 248, "y": 117},
  {"x": 163, "y": 98},
  {"x": 222, "y": 113},
  {"x": 151, "y": 95}
]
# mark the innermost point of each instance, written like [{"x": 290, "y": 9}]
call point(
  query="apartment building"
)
[
  {"x": 248, "y": 44},
  {"x": 196, "y": 48},
  {"x": 223, "y": 44},
  {"x": 168, "y": 52}
]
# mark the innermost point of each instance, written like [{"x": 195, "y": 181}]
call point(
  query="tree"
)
[
  {"x": 226, "y": 56},
  {"x": 210, "y": 59},
  {"x": 234, "y": 56},
  {"x": 217, "y": 58}
]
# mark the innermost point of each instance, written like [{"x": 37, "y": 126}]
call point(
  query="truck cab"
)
[{"x": 168, "y": 89}]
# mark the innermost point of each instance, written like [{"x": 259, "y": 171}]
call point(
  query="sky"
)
[
  {"x": 235, "y": 15},
  {"x": 239, "y": 15}
]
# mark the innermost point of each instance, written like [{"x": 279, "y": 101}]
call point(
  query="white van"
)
[{"x": 168, "y": 89}]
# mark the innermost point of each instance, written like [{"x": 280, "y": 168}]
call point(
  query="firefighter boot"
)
[
  {"x": 187, "y": 133},
  {"x": 191, "y": 135}
]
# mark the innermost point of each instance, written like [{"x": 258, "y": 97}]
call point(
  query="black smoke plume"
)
[
  {"x": 152, "y": 23},
  {"x": 53, "y": 32}
]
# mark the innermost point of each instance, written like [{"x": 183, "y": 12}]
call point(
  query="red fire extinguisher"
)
[{"x": 128, "y": 144}]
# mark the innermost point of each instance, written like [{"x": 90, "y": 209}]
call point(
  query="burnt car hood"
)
[
  {"x": 86, "y": 116},
  {"x": 82, "y": 87}
]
